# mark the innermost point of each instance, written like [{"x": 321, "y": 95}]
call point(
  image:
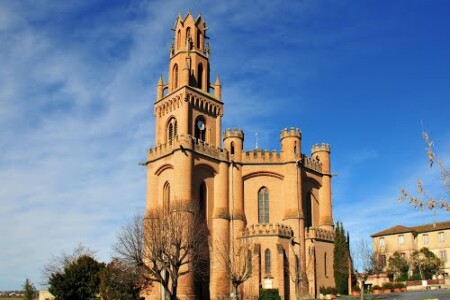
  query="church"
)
[{"x": 280, "y": 200}]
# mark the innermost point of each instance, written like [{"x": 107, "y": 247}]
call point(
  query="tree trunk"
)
[
  {"x": 362, "y": 289},
  {"x": 235, "y": 292},
  {"x": 173, "y": 295}
]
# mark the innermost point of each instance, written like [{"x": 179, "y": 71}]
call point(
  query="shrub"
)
[
  {"x": 323, "y": 290},
  {"x": 328, "y": 290},
  {"x": 399, "y": 285},
  {"x": 403, "y": 277},
  {"x": 376, "y": 287},
  {"x": 332, "y": 290},
  {"x": 388, "y": 286},
  {"x": 269, "y": 294},
  {"x": 356, "y": 288}
]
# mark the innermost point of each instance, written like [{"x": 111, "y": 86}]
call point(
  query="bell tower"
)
[{"x": 184, "y": 105}]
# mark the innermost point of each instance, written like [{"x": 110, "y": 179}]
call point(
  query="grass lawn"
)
[{"x": 11, "y": 298}]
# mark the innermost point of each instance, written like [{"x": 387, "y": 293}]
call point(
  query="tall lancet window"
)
[
  {"x": 308, "y": 203},
  {"x": 166, "y": 198},
  {"x": 178, "y": 39},
  {"x": 188, "y": 38},
  {"x": 171, "y": 130},
  {"x": 263, "y": 205},
  {"x": 199, "y": 40},
  {"x": 200, "y": 76},
  {"x": 175, "y": 76},
  {"x": 268, "y": 263}
]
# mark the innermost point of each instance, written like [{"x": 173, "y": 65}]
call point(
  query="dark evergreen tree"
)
[
  {"x": 79, "y": 280},
  {"x": 29, "y": 291},
  {"x": 120, "y": 280},
  {"x": 341, "y": 259}
]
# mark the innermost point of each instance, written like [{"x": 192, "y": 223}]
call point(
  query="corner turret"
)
[
  {"x": 291, "y": 143},
  {"x": 322, "y": 152},
  {"x": 233, "y": 141}
]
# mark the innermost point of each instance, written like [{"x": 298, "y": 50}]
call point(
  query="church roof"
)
[{"x": 413, "y": 229}]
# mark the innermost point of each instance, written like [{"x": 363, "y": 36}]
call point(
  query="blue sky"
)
[{"x": 77, "y": 85}]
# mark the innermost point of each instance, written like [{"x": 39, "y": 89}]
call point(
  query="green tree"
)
[
  {"x": 425, "y": 263},
  {"x": 79, "y": 280},
  {"x": 398, "y": 267},
  {"x": 120, "y": 280},
  {"x": 29, "y": 291},
  {"x": 341, "y": 261}
]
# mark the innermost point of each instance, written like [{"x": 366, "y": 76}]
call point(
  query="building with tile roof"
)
[{"x": 405, "y": 240}]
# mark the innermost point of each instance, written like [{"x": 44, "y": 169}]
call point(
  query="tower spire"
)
[{"x": 189, "y": 54}]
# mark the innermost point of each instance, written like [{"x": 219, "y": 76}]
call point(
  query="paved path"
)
[{"x": 442, "y": 294}]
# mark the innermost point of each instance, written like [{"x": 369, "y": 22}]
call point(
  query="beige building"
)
[
  {"x": 405, "y": 240},
  {"x": 280, "y": 200}
]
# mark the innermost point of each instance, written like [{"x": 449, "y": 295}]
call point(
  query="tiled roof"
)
[
  {"x": 393, "y": 230},
  {"x": 432, "y": 227},
  {"x": 413, "y": 229}
]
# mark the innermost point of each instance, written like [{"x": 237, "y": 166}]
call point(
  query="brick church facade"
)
[{"x": 279, "y": 200}]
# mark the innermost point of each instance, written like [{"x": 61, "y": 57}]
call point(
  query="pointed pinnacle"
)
[
  {"x": 160, "y": 81},
  {"x": 217, "y": 80}
]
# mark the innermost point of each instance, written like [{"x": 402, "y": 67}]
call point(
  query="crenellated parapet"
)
[
  {"x": 187, "y": 142},
  {"x": 290, "y": 132},
  {"x": 268, "y": 229},
  {"x": 261, "y": 156},
  {"x": 311, "y": 163},
  {"x": 321, "y": 147},
  {"x": 319, "y": 234},
  {"x": 235, "y": 133}
]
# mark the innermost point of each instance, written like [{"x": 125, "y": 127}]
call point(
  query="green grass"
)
[{"x": 11, "y": 298}]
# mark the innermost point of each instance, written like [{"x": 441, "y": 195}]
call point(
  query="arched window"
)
[
  {"x": 263, "y": 205},
  {"x": 166, "y": 198},
  {"x": 200, "y": 128},
  {"x": 178, "y": 39},
  {"x": 308, "y": 209},
  {"x": 200, "y": 76},
  {"x": 188, "y": 37},
  {"x": 170, "y": 133},
  {"x": 268, "y": 264},
  {"x": 325, "y": 263},
  {"x": 175, "y": 76},
  {"x": 249, "y": 261},
  {"x": 232, "y": 148},
  {"x": 295, "y": 148},
  {"x": 171, "y": 130},
  {"x": 199, "y": 34}
]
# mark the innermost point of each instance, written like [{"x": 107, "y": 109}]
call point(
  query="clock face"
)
[{"x": 201, "y": 125}]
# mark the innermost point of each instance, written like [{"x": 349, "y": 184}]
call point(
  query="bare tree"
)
[
  {"x": 368, "y": 262},
  {"x": 423, "y": 200},
  {"x": 57, "y": 263},
  {"x": 236, "y": 259},
  {"x": 166, "y": 244}
]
